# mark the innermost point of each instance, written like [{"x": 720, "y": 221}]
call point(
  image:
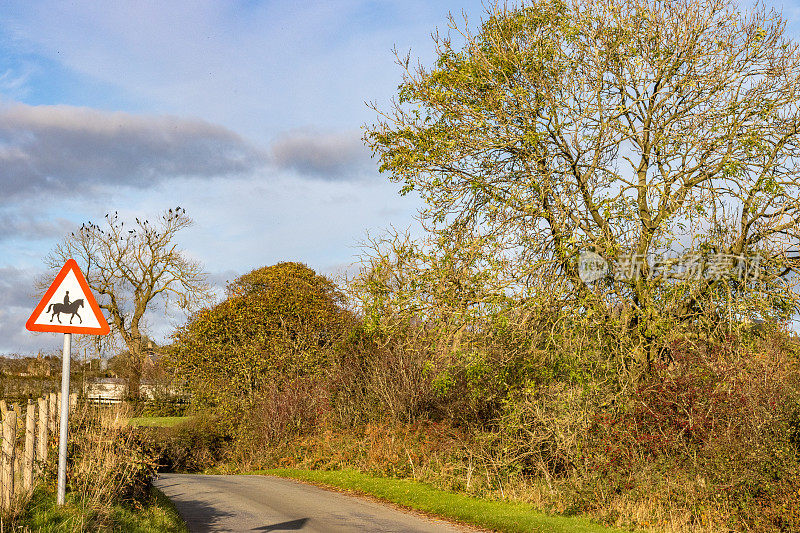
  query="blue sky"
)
[{"x": 246, "y": 113}]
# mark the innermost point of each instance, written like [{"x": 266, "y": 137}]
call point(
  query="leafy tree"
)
[
  {"x": 277, "y": 323},
  {"x": 132, "y": 269},
  {"x": 663, "y": 136}
]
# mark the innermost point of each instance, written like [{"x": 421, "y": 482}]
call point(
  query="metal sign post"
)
[{"x": 62, "y": 438}]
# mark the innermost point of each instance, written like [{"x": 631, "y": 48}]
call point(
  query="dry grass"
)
[{"x": 107, "y": 463}]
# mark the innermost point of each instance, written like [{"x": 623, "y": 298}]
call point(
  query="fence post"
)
[
  {"x": 30, "y": 435},
  {"x": 58, "y": 411},
  {"x": 73, "y": 400},
  {"x": 41, "y": 455},
  {"x": 9, "y": 439},
  {"x": 15, "y": 468},
  {"x": 3, "y": 422},
  {"x": 51, "y": 423}
]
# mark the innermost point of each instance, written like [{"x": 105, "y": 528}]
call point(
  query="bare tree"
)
[
  {"x": 132, "y": 268},
  {"x": 663, "y": 136}
]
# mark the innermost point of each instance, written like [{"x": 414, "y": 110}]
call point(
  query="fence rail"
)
[{"x": 26, "y": 441}]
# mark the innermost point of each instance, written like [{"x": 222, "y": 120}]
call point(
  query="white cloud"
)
[
  {"x": 71, "y": 150},
  {"x": 17, "y": 301},
  {"x": 327, "y": 156},
  {"x": 14, "y": 81},
  {"x": 16, "y": 288},
  {"x": 30, "y": 226}
]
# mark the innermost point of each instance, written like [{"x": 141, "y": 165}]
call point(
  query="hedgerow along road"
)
[{"x": 266, "y": 503}]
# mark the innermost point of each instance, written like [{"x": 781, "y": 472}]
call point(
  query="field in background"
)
[{"x": 157, "y": 421}]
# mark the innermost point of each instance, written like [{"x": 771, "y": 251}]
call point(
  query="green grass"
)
[
  {"x": 492, "y": 514},
  {"x": 156, "y": 515},
  {"x": 167, "y": 508},
  {"x": 159, "y": 421}
]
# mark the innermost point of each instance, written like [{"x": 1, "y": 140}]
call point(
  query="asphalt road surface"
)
[{"x": 266, "y": 503}]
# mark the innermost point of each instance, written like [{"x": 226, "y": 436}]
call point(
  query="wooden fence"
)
[{"x": 26, "y": 441}]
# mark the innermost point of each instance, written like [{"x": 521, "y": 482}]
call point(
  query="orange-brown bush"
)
[
  {"x": 379, "y": 376},
  {"x": 720, "y": 421},
  {"x": 292, "y": 408}
]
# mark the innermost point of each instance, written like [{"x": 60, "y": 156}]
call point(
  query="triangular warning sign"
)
[{"x": 68, "y": 306}]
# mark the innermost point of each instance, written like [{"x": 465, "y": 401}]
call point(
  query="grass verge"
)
[
  {"x": 167, "y": 508},
  {"x": 158, "y": 421},
  {"x": 156, "y": 515},
  {"x": 492, "y": 514}
]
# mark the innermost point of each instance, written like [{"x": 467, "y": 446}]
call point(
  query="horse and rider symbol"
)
[{"x": 68, "y": 308}]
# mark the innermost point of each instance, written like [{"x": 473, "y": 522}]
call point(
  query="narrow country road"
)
[{"x": 266, "y": 503}]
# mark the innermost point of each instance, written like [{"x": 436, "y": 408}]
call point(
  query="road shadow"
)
[
  {"x": 198, "y": 515},
  {"x": 291, "y": 525}
]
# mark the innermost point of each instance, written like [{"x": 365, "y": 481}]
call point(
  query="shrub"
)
[
  {"x": 107, "y": 459},
  {"x": 377, "y": 377},
  {"x": 719, "y": 420},
  {"x": 278, "y": 322},
  {"x": 191, "y": 446},
  {"x": 289, "y": 409}
]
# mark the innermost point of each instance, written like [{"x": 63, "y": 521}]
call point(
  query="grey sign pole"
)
[{"x": 62, "y": 440}]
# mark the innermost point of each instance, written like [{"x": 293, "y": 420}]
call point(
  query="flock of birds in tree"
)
[{"x": 172, "y": 214}]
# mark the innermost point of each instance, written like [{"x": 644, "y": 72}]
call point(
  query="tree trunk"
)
[{"x": 134, "y": 371}]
